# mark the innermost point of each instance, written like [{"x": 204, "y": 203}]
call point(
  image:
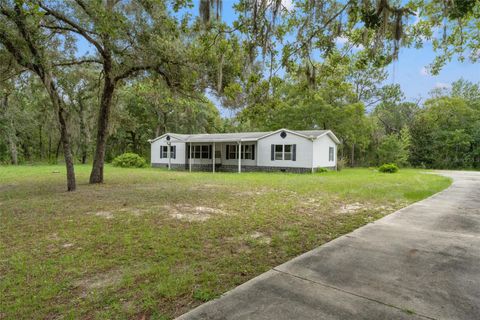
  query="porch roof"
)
[{"x": 241, "y": 136}]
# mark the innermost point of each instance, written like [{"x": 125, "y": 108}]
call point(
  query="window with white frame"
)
[
  {"x": 232, "y": 151},
  {"x": 200, "y": 152},
  {"x": 283, "y": 152},
  {"x": 248, "y": 152},
  {"x": 164, "y": 152},
  {"x": 205, "y": 152},
  {"x": 287, "y": 152},
  {"x": 331, "y": 154},
  {"x": 279, "y": 152}
]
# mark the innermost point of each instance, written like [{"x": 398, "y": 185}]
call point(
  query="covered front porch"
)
[{"x": 220, "y": 155}]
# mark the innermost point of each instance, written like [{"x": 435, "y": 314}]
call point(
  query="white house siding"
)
[
  {"x": 309, "y": 153},
  {"x": 321, "y": 150},
  {"x": 303, "y": 151},
  {"x": 155, "y": 151}
]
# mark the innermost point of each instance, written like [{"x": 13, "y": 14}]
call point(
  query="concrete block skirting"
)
[{"x": 234, "y": 168}]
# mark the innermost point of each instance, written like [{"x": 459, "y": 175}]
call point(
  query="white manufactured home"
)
[{"x": 280, "y": 150}]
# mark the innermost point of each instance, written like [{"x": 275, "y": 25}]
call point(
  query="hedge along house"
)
[{"x": 280, "y": 150}]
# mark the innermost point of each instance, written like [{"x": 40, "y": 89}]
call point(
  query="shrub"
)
[
  {"x": 388, "y": 168},
  {"x": 322, "y": 170},
  {"x": 129, "y": 160},
  {"x": 341, "y": 163}
]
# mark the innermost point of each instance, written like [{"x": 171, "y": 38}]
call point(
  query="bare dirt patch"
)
[
  {"x": 134, "y": 211},
  {"x": 103, "y": 214},
  {"x": 352, "y": 207},
  {"x": 260, "y": 237},
  {"x": 193, "y": 213},
  {"x": 99, "y": 281},
  {"x": 7, "y": 187},
  {"x": 349, "y": 208},
  {"x": 254, "y": 192}
]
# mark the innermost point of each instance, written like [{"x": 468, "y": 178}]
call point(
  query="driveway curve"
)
[{"x": 421, "y": 262}]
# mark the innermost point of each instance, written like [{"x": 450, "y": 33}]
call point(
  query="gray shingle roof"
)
[{"x": 244, "y": 136}]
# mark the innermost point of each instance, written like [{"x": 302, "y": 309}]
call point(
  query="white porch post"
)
[
  {"x": 239, "y": 155},
  {"x": 190, "y": 159},
  {"x": 213, "y": 158},
  {"x": 169, "y": 145}
]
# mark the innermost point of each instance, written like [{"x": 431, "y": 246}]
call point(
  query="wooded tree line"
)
[{"x": 92, "y": 79}]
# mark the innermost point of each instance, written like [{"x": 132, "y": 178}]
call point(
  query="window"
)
[
  {"x": 331, "y": 154},
  {"x": 232, "y": 151},
  {"x": 199, "y": 152},
  {"x": 205, "y": 152},
  {"x": 279, "y": 152},
  {"x": 284, "y": 152},
  {"x": 287, "y": 152},
  {"x": 164, "y": 152},
  {"x": 247, "y": 151}
]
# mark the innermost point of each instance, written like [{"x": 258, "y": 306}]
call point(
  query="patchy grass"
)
[{"x": 153, "y": 244}]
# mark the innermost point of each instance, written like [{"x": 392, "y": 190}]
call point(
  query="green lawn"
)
[{"x": 155, "y": 243}]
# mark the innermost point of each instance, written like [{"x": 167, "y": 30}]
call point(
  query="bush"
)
[
  {"x": 341, "y": 163},
  {"x": 322, "y": 170},
  {"x": 388, "y": 168},
  {"x": 129, "y": 160}
]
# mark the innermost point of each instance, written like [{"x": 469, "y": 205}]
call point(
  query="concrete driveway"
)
[{"x": 421, "y": 262}]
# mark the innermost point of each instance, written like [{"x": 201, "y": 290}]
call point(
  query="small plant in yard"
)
[
  {"x": 322, "y": 170},
  {"x": 388, "y": 168},
  {"x": 204, "y": 295},
  {"x": 129, "y": 160}
]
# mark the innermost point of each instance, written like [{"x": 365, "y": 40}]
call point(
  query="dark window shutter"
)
[
  {"x": 209, "y": 152},
  {"x": 294, "y": 152},
  {"x": 272, "y": 152},
  {"x": 228, "y": 151},
  {"x": 188, "y": 151},
  {"x": 174, "y": 151},
  {"x": 161, "y": 152},
  {"x": 253, "y": 152}
]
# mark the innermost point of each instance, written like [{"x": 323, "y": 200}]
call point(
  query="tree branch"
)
[
  {"x": 76, "y": 28},
  {"x": 131, "y": 71},
  {"x": 76, "y": 62}
]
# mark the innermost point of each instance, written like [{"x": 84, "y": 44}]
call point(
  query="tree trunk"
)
[
  {"x": 40, "y": 144},
  {"x": 83, "y": 132},
  {"x": 96, "y": 176},
  {"x": 11, "y": 137},
  {"x": 49, "y": 147},
  {"x": 67, "y": 151},
  {"x": 64, "y": 137},
  {"x": 57, "y": 151},
  {"x": 13, "y": 149},
  {"x": 352, "y": 160},
  {"x": 133, "y": 136}
]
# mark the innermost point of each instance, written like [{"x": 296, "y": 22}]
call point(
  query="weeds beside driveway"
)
[{"x": 154, "y": 244}]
